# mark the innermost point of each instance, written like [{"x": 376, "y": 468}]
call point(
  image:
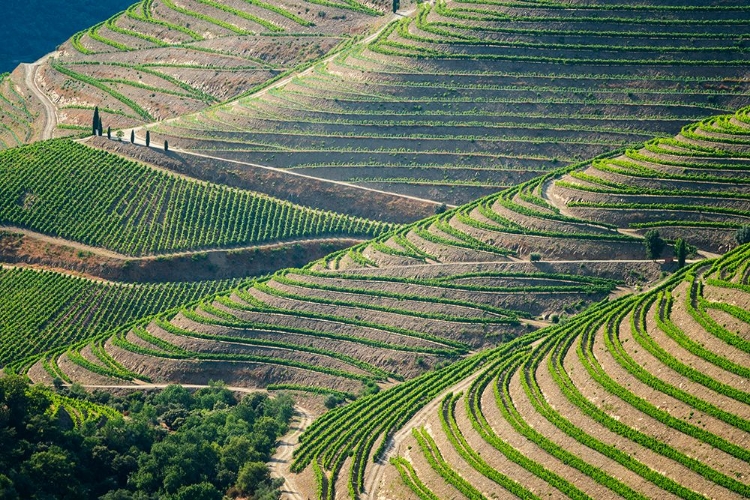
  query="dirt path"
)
[
  {"x": 50, "y": 111},
  {"x": 114, "y": 255},
  {"x": 146, "y": 386},
  {"x": 160, "y": 145},
  {"x": 375, "y": 471},
  {"x": 290, "y": 172},
  {"x": 282, "y": 459},
  {"x": 63, "y": 242},
  {"x": 506, "y": 262},
  {"x": 555, "y": 202}
]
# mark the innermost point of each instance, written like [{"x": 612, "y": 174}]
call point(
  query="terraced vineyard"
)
[
  {"x": 65, "y": 189},
  {"x": 162, "y": 58},
  {"x": 642, "y": 397},
  {"x": 339, "y": 330},
  {"x": 492, "y": 349},
  {"x": 18, "y": 112},
  {"x": 44, "y": 311},
  {"x": 432, "y": 293},
  {"x": 693, "y": 186},
  {"x": 462, "y": 98},
  {"x": 696, "y": 189},
  {"x": 415, "y": 298}
]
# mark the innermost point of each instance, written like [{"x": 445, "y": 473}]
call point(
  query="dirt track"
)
[
  {"x": 50, "y": 111},
  {"x": 282, "y": 459}
]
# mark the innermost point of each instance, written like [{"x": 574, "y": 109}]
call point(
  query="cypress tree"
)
[
  {"x": 95, "y": 121},
  {"x": 132, "y": 136},
  {"x": 100, "y": 127},
  {"x": 166, "y": 145},
  {"x": 148, "y": 138},
  {"x": 109, "y": 132}
]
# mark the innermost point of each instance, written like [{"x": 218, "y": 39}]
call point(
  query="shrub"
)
[
  {"x": 332, "y": 401},
  {"x": 742, "y": 235},
  {"x": 654, "y": 244},
  {"x": 535, "y": 257}
]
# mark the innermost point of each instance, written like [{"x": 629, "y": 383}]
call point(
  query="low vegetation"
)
[
  {"x": 43, "y": 311},
  {"x": 161, "y": 58},
  {"x": 549, "y": 330},
  {"x": 693, "y": 186}
]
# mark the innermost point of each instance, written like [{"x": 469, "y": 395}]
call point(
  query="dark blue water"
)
[{"x": 30, "y": 29}]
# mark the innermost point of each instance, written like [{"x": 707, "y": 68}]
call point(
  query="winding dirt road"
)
[
  {"x": 50, "y": 111},
  {"x": 282, "y": 459}
]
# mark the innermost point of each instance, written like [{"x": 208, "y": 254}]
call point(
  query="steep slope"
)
[
  {"x": 693, "y": 186},
  {"x": 461, "y": 98},
  {"x": 410, "y": 300},
  {"x": 64, "y": 189},
  {"x": 685, "y": 187},
  {"x": 162, "y": 58},
  {"x": 641, "y": 397},
  {"x": 43, "y": 311}
]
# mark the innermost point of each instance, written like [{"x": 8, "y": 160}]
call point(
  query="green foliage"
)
[
  {"x": 742, "y": 235},
  {"x": 681, "y": 251},
  {"x": 215, "y": 444},
  {"x": 410, "y": 478},
  {"x": 549, "y": 350},
  {"x": 43, "y": 311},
  {"x": 654, "y": 244},
  {"x": 66, "y": 189},
  {"x": 332, "y": 401}
]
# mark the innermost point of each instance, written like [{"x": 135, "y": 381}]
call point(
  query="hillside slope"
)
[
  {"x": 162, "y": 58},
  {"x": 43, "y": 311},
  {"x": 644, "y": 396},
  {"x": 462, "y": 98},
  {"x": 124, "y": 208},
  {"x": 413, "y": 299}
]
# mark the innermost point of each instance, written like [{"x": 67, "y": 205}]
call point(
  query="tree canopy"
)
[{"x": 173, "y": 444}]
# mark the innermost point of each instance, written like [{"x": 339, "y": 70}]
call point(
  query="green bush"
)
[
  {"x": 742, "y": 235},
  {"x": 654, "y": 244}
]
